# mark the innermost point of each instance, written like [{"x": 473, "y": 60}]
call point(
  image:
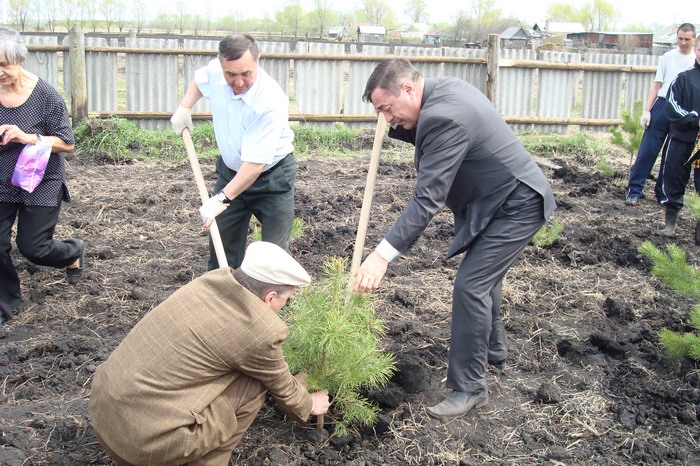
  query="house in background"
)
[
  {"x": 369, "y": 33},
  {"x": 515, "y": 37}
]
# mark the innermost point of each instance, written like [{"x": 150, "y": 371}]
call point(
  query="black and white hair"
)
[
  {"x": 234, "y": 46},
  {"x": 12, "y": 46},
  {"x": 389, "y": 75}
]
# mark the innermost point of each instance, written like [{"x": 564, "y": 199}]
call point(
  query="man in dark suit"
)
[
  {"x": 189, "y": 379},
  {"x": 469, "y": 160}
]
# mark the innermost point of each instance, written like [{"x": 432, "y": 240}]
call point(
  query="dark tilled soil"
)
[{"x": 586, "y": 381}]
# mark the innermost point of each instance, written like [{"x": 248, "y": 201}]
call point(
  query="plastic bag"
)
[{"x": 31, "y": 165}]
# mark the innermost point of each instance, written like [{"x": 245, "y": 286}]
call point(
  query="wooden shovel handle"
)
[
  {"x": 204, "y": 196},
  {"x": 367, "y": 200}
]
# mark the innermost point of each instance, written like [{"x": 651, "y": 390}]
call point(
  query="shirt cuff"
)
[{"x": 387, "y": 251}]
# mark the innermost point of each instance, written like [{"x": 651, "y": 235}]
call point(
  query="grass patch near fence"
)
[
  {"x": 586, "y": 148},
  {"x": 117, "y": 140}
]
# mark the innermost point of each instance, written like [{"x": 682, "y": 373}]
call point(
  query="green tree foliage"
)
[
  {"x": 692, "y": 201},
  {"x": 673, "y": 269},
  {"x": 547, "y": 235},
  {"x": 377, "y": 12},
  {"x": 629, "y": 134},
  {"x": 686, "y": 344},
  {"x": 291, "y": 18},
  {"x": 597, "y": 15},
  {"x": 334, "y": 339}
]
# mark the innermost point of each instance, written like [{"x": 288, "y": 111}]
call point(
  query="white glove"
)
[
  {"x": 213, "y": 207},
  {"x": 181, "y": 119},
  {"x": 644, "y": 120}
]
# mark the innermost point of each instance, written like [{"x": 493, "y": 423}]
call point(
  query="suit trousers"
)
[
  {"x": 35, "y": 229},
  {"x": 652, "y": 140},
  {"x": 246, "y": 396},
  {"x": 270, "y": 198},
  {"x": 478, "y": 335}
]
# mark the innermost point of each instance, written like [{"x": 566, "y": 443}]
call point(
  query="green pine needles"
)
[
  {"x": 547, "y": 235},
  {"x": 684, "y": 280},
  {"x": 686, "y": 344},
  {"x": 673, "y": 269},
  {"x": 692, "y": 200},
  {"x": 334, "y": 338},
  {"x": 629, "y": 134}
]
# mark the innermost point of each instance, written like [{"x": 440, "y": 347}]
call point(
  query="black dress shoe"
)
[
  {"x": 499, "y": 366},
  {"x": 74, "y": 274}
]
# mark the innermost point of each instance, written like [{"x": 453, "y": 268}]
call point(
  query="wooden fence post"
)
[
  {"x": 492, "y": 58},
  {"x": 78, "y": 78}
]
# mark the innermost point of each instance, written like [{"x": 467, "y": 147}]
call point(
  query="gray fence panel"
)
[
  {"x": 318, "y": 83},
  {"x": 601, "y": 89},
  {"x": 473, "y": 74},
  {"x": 192, "y": 63},
  {"x": 428, "y": 70},
  {"x": 515, "y": 87},
  {"x": 152, "y": 80},
  {"x": 637, "y": 86},
  {"x": 102, "y": 72},
  {"x": 278, "y": 69},
  {"x": 557, "y": 90},
  {"x": 358, "y": 73},
  {"x": 43, "y": 64}
]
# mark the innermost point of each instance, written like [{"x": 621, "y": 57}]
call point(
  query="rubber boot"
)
[
  {"x": 697, "y": 233},
  {"x": 669, "y": 230}
]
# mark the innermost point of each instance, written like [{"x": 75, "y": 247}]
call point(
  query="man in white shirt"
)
[
  {"x": 654, "y": 119},
  {"x": 256, "y": 168}
]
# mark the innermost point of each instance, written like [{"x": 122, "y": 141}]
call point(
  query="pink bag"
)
[{"x": 31, "y": 165}]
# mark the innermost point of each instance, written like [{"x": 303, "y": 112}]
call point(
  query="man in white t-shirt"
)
[
  {"x": 256, "y": 168},
  {"x": 654, "y": 120}
]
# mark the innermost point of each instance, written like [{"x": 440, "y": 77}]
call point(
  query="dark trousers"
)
[
  {"x": 677, "y": 172},
  {"x": 35, "y": 228},
  {"x": 652, "y": 141},
  {"x": 477, "y": 327},
  {"x": 270, "y": 199}
]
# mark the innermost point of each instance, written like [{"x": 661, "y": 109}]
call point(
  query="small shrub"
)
[
  {"x": 334, "y": 338},
  {"x": 546, "y": 236},
  {"x": 298, "y": 227},
  {"x": 692, "y": 200},
  {"x": 683, "y": 345},
  {"x": 629, "y": 134},
  {"x": 673, "y": 269},
  {"x": 604, "y": 167}
]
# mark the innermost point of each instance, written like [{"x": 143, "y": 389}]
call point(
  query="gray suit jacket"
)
[{"x": 467, "y": 159}]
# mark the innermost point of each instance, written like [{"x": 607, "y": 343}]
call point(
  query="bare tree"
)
[
  {"x": 70, "y": 12},
  {"x": 322, "y": 14},
  {"x": 108, "y": 9},
  {"x": 19, "y": 12},
  {"x": 417, "y": 10},
  {"x": 139, "y": 14}
]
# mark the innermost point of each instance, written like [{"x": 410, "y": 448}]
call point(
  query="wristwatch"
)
[{"x": 221, "y": 197}]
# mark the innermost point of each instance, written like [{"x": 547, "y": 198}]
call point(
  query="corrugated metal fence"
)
[{"x": 532, "y": 92}]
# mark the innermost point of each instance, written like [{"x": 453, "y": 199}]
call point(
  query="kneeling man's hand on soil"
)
[{"x": 370, "y": 274}]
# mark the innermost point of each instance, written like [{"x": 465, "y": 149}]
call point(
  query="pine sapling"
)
[
  {"x": 629, "y": 134},
  {"x": 683, "y": 345},
  {"x": 547, "y": 235},
  {"x": 673, "y": 269},
  {"x": 334, "y": 338}
]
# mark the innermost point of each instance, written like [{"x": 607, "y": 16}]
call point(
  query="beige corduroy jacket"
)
[{"x": 158, "y": 394}]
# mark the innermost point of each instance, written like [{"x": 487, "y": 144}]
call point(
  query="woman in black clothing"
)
[{"x": 31, "y": 112}]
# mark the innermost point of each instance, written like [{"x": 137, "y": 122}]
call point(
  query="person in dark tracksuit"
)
[{"x": 682, "y": 108}]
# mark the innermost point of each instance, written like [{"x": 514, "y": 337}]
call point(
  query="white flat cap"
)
[{"x": 270, "y": 263}]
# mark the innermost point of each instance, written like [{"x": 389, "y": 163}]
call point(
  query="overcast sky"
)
[{"x": 530, "y": 11}]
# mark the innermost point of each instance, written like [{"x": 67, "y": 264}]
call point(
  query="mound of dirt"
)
[{"x": 585, "y": 383}]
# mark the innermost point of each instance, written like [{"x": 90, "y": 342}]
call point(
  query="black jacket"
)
[{"x": 683, "y": 105}]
